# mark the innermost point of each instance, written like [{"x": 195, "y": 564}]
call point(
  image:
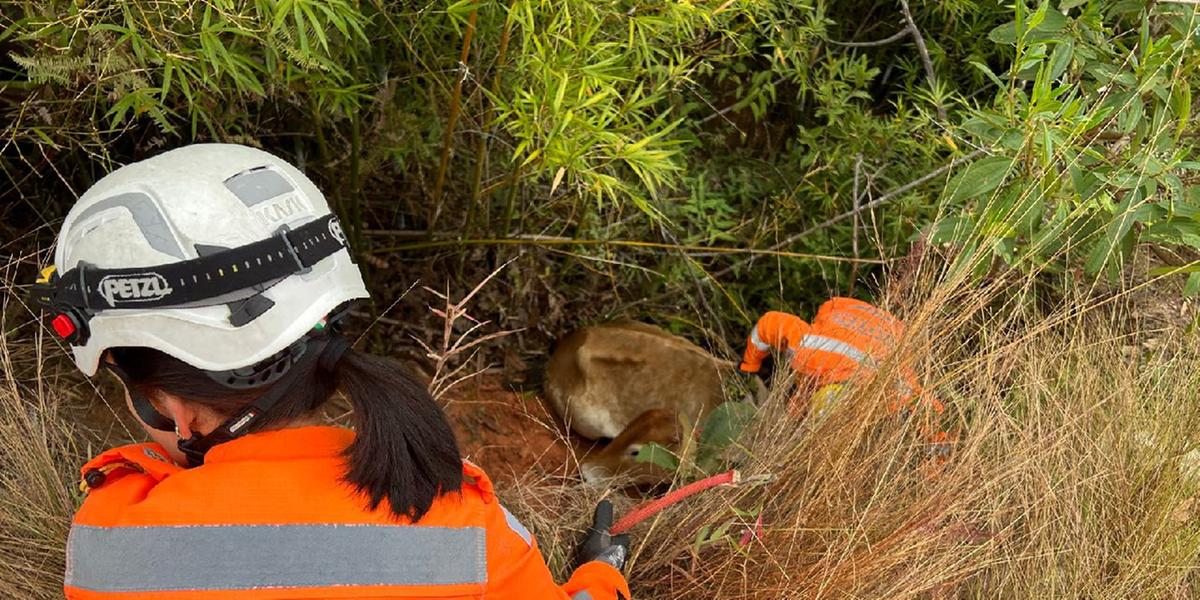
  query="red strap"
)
[{"x": 649, "y": 509}]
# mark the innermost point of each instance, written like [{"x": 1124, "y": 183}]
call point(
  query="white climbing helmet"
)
[{"x": 220, "y": 255}]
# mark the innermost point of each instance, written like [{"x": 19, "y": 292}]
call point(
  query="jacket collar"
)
[{"x": 284, "y": 444}]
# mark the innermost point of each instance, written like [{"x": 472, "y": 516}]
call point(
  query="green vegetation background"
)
[
  {"x": 741, "y": 155},
  {"x": 697, "y": 163}
]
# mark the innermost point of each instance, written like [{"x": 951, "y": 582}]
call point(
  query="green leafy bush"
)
[
  {"x": 1091, "y": 130},
  {"x": 674, "y": 138}
]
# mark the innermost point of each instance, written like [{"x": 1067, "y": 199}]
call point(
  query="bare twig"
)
[
  {"x": 920, "y": 40},
  {"x": 857, "y": 201},
  {"x": 899, "y": 35},
  {"x": 533, "y": 240},
  {"x": 888, "y": 197},
  {"x": 453, "y": 347},
  {"x": 720, "y": 113}
]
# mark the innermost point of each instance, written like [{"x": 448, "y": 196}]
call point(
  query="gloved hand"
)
[{"x": 600, "y": 544}]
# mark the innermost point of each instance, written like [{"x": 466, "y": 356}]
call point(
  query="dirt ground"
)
[{"x": 511, "y": 433}]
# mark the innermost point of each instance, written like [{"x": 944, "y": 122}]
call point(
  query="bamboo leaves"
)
[
  {"x": 981, "y": 177},
  {"x": 199, "y": 59}
]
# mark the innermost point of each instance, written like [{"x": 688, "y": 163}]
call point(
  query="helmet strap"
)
[
  {"x": 196, "y": 447},
  {"x": 141, "y": 404}
]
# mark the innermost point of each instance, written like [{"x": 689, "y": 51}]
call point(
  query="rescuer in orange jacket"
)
[
  {"x": 219, "y": 310},
  {"x": 847, "y": 338}
]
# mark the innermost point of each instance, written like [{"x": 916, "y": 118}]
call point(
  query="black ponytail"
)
[{"x": 404, "y": 451}]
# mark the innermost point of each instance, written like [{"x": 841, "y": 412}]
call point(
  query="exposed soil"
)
[{"x": 511, "y": 434}]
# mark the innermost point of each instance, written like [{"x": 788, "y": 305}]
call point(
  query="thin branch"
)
[
  {"x": 899, "y": 35},
  {"x": 477, "y": 190},
  {"x": 888, "y": 197},
  {"x": 858, "y": 160},
  {"x": 451, "y": 121},
  {"x": 920, "y": 40},
  {"x": 381, "y": 317},
  {"x": 494, "y": 272},
  {"x": 720, "y": 113},
  {"x": 523, "y": 240}
]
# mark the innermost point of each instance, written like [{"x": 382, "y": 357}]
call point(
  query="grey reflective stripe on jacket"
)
[
  {"x": 868, "y": 325},
  {"x": 757, "y": 341},
  {"x": 582, "y": 595},
  {"x": 244, "y": 557},
  {"x": 517, "y": 527},
  {"x": 828, "y": 344}
]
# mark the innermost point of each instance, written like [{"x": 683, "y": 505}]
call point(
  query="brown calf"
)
[{"x": 633, "y": 383}]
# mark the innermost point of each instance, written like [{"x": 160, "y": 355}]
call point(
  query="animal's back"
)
[{"x": 600, "y": 378}]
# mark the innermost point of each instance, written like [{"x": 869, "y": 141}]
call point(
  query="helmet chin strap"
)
[
  {"x": 324, "y": 350},
  {"x": 318, "y": 350},
  {"x": 141, "y": 405}
]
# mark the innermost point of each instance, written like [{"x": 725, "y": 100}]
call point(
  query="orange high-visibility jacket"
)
[
  {"x": 847, "y": 336},
  {"x": 268, "y": 516},
  {"x": 774, "y": 330}
]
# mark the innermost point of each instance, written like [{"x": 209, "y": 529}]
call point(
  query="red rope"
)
[{"x": 649, "y": 509}]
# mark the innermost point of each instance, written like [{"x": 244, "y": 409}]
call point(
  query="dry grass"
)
[
  {"x": 1066, "y": 482},
  {"x": 39, "y": 456}
]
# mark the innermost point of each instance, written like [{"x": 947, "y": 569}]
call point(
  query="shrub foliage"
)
[{"x": 802, "y": 127}]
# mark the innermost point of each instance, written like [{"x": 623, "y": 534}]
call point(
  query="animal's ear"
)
[{"x": 654, "y": 425}]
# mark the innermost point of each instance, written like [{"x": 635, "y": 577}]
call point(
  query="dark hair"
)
[{"x": 404, "y": 451}]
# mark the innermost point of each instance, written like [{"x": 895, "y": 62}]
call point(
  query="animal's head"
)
[{"x": 619, "y": 458}]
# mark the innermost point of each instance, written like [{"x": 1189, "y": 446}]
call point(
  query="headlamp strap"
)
[{"x": 194, "y": 281}]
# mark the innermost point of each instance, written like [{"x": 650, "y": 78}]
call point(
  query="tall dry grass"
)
[
  {"x": 40, "y": 453},
  {"x": 1071, "y": 477}
]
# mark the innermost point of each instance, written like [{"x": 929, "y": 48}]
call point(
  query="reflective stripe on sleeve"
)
[
  {"x": 517, "y": 527},
  {"x": 828, "y": 344},
  {"x": 757, "y": 341},
  {"x": 242, "y": 557},
  {"x": 581, "y": 595}
]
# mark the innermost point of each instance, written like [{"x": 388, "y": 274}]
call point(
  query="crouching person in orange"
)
[
  {"x": 848, "y": 338},
  {"x": 211, "y": 280}
]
